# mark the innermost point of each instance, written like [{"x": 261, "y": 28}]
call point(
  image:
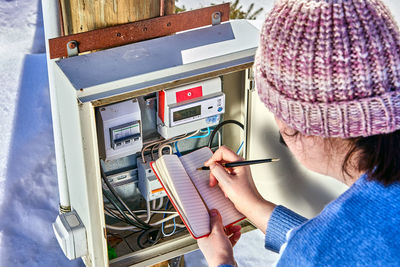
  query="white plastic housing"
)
[
  {"x": 189, "y": 108},
  {"x": 71, "y": 235},
  {"x": 121, "y": 129},
  {"x": 149, "y": 185}
]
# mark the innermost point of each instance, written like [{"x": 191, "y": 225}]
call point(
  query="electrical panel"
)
[
  {"x": 125, "y": 103},
  {"x": 121, "y": 125},
  {"x": 189, "y": 108},
  {"x": 149, "y": 185}
]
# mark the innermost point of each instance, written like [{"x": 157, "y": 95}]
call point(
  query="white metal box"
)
[{"x": 223, "y": 51}]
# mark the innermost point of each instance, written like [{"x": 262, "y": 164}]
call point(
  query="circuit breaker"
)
[
  {"x": 121, "y": 129},
  {"x": 149, "y": 185}
]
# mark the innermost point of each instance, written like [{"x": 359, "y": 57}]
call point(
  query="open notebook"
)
[{"x": 179, "y": 177}]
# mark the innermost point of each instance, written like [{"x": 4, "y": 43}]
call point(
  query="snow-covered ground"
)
[{"x": 28, "y": 184}]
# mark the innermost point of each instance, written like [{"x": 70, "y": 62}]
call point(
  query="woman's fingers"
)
[
  {"x": 216, "y": 222},
  {"x": 235, "y": 238},
  {"x": 223, "y": 154},
  {"x": 220, "y": 174},
  {"x": 233, "y": 232},
  {"x": 213, "y": 180},
  {"x": 232, "y": 229}
]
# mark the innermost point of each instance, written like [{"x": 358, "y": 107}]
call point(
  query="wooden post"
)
[{"x": 85, "y": 15}]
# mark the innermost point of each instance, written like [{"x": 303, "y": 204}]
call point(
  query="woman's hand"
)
[
  {"x": 217, "y": 247},
  {"x": 238, "y": 185}
]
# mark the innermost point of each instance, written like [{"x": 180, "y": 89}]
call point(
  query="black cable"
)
[
  {"x": 129, "y": 220},
  {"x": 152, "y": 237},
  {"x": 114, "y": 215},
  {"x": 115, "y": 194},
  {"x": 214, "y": 132}
]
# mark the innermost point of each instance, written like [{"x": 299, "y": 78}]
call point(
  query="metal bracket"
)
[
  {"x": 216, "y": 18},
  {"x": 137, "y": 31},
  {"x": 72, "y": 48},
  {"x": 64, "y": 209}
]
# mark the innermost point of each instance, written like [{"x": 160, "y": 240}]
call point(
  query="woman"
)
[{"x": 330, "y": 72}]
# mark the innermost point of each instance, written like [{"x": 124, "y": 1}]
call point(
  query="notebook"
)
[{"x": 190, "y": 193}]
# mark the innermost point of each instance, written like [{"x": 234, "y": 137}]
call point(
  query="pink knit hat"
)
[{"x": 331, "y": 68}]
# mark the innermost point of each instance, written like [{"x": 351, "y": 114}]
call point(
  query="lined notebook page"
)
[
  {"x": 213, "y": 196},
  {"x": 186, "y": 196}
]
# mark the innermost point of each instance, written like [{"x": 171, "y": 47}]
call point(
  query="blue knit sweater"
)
[{"x": 359, "y": 228}]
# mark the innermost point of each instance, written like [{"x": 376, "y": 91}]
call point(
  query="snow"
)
[{"x": 28, "y": 183}]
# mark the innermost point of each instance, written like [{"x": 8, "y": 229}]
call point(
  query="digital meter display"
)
[{"x": 186, "y": 113}]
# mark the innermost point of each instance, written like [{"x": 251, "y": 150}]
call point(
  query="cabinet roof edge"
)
[{"x": 162, "y": 60}]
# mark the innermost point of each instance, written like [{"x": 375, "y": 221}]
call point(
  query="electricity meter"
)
[{"x": 189, "y": 108}]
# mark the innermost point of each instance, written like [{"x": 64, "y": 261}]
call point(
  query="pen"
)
[{"x": 240, "y": 163}]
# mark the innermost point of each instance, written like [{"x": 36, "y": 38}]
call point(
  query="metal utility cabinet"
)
[{"x": 82, "y": 85}]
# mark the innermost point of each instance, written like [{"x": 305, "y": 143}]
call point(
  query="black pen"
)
[{"x": 240, "y": 163}]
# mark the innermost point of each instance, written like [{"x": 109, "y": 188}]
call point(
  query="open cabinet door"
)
[{"x": 285, "y": 182}]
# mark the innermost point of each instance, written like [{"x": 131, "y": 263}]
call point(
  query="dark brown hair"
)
[{"x": 378, "y": 156}]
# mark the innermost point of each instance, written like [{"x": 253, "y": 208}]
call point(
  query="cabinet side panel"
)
[
  {"x": 82, "y": 166},
  {"x": 234, "y": 89},
  {"x": 93, "y": 182}
]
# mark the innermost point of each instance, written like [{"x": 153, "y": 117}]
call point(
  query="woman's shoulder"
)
[{"x": 361, "y": 226}]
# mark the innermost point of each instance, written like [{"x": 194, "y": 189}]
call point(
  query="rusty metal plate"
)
[{"x": 137, "y": 31}]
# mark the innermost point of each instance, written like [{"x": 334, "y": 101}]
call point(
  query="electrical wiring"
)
[
  {"x": 160, "y": 150},
  {"x": 201, "y": 136},
  {"x": 148, "y": 212},
  {"x": 159, "y": 206},
  {"x": 157, "y": 142},
  {"x": 170, "y": 217},
  {"x": 131, "y": 227},
  {"x": 115, "y": 194},
  {"x": 154, "y": 211},
  {"x": 240, "y": 148},
  {"x": 152, "y": 237},
  {"x": 168, "y": 234},
  {"x": 192, "y": 137},
  {"x": 110, "y": 213},
  {"x": 152, "y": 150},
  {"x": 147, "y": 147},
  {"x": 171, "y": 141},
  {"x": 165, "y": 219},
  {"x": 162, "y": 225},
  {"x": 121, "y": 212},
  {"x": 216, "y": 129},
  {"x": 178, "y": 153},
  {"x": 120, "y": 218}
]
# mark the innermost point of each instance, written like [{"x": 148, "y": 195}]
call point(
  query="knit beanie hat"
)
[{"x": 331, "y": 68}]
